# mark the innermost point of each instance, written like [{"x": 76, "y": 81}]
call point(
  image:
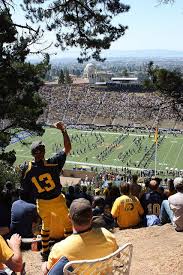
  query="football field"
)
[{"x": 108, "y": 149}]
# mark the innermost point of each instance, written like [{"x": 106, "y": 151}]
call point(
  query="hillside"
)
[{"x": 157, "y": 251}]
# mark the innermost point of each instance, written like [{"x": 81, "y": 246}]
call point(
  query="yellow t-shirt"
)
[
  {"x": 95, "y": 243},
  {"x": 127, "y": 210},
  {"x": 5, "y": 252}
]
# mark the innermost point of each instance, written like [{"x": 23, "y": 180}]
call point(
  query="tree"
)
[
  {"x": 169, "y": 84},
  {"x": 68, "y": 79},
  {"x": 83, "y": 23},
  {"x": 125, "y": 72},
  {"x": 8, "y": 173},
  {"x": 61, "y": 77},
  {"x": 20, "y": 81}
]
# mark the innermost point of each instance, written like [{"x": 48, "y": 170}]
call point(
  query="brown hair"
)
[
  {"x": 125, "y": 188},
  {"x": 81, "y": 212}
]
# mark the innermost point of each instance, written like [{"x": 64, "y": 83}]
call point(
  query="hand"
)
[
  {"x": 60, "y": 125},
  {"x": 14, "y": 242}
]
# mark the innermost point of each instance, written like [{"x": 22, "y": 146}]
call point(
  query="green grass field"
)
[{"x": 87, "y": 145}]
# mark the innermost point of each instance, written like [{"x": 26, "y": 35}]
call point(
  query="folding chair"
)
[{"x": 116, "y": 263}]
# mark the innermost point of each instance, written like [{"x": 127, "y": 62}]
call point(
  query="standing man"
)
[{"x": 41, "y": 178}]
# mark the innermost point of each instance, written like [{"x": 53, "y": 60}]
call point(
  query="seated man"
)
[
  {"x": 172, "y": 209},
  {"x": 84, "y": 243},
  {"x": 151, "y": 203},
  {"x": 10, "y": 256},
  {"x": 98, "y": 205},
  {"x": 104, "y": 219},
  {"x": 23, "y": 213},
  {"x": 127, "y": 209}
]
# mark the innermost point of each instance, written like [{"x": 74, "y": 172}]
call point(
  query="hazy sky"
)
[{"x": 151, "y": 26}]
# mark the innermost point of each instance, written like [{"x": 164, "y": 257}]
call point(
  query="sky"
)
[{"x": 150, "y": 26}]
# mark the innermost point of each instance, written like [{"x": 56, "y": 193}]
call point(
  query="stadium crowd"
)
[{"x": 83, "y": 105}]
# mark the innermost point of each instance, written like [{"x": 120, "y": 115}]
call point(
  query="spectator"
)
[
  {"x": 42, "y": 179},
  {"x": 151, "y": 203},
  {"x": 172, "y": 210},
  {"x": 84, "y": 243},
  {"x": 127, "y": 209},
  {"x": 135, "y": 188},
  {"x": 77, "y": 192},
  {"x": 107, "y": 190},
  {"x": 70, "y": 196},
  {"x": 171, "y": 188},
  {"x": 105, "y": 219},
  {"x": 10, "y": 256},
  {"x": 23, "y": 213},
  {"x": 98, "y": 205},
  {"x": 112, "y": 196},
  {"x": 85, "y": 195}
]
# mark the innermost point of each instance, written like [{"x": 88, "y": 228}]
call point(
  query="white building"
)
[{"x": 90, "y": 73}]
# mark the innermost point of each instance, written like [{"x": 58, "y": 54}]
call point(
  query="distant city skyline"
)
[{"x": 150, "y": 26}]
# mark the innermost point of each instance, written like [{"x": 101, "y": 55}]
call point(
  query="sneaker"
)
[{"x": 44, "y": 256}]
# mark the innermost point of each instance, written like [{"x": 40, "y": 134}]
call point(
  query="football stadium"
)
[
  {"x": 131, "y": 149},
  {"x": 112, "y": 127},
  {"x": 100, "y": 190}
]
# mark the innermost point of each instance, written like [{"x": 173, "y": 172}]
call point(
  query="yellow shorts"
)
[{"x": 56, "y": 207}]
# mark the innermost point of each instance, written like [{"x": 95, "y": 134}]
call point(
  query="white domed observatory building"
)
[{"x": 90, "y": 73}]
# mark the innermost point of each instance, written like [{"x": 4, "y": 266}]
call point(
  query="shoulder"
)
[
  {"x": 107, "y": 232},
  {"x": 118, "y": 201},
  {"x": 134, "y": 198},
  {"x": 110, "y": 237},
  {"x": 122, "y": 198},
  {"x": 64, "y": 246},
  {"x": 5, "y": 251},
  {"x": 101, "y": 232},
  {"x": 173, "y": 198},
  {"x": 61, "y": 155}
]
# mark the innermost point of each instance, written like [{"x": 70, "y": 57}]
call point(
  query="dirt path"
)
[{"x": 157, "y": 251}]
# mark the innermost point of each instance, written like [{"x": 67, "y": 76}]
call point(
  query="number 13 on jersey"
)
[{"x": 48, "y": 181}]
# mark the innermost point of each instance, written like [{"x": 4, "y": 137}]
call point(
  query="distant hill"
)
[
  {"x": 144, "y": 53},
  {"x": 115, "y": 54}
]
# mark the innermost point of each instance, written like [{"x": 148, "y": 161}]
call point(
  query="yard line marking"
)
[
  {"x": 178, "y": 156},
  {"x": 167, "y": 153},
  {"x": 104, "y": 165}
]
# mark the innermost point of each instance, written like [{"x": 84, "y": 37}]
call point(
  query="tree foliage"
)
[
  {"x": 61, "y": 77},
  {"x": 64, "y": 77},
  {"x": 8, "y": 173},
  {"x": 83, "y": 23},
  {"x": 20, "y": 104},
  {"x": 68, "y": 79},
  {"x": 169, "y": 84}
]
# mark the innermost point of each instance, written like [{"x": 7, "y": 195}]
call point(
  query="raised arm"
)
[{"x": 67, "y": 143}]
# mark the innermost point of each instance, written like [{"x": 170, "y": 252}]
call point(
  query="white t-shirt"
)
[{"x": 176, "y": 204}]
